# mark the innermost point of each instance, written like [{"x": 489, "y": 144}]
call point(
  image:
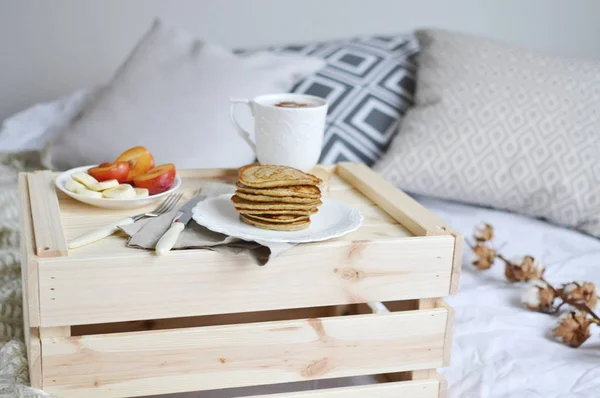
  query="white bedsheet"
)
[{"x": 500, "y": 349}]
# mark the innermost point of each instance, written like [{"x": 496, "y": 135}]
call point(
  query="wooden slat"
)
[
  {"x": 213, "y": 357},
  {"x": 403, "y": 208},
  {"x": 198, "y": 282},
  {"x": 408, "y": 389},
  {"x": 29, "y": 264},
  {"x": 443, "y": 386},
  {"x": 34, "y": 355},
  {"x": 432, "y": 373},
  {"x": 47, "y": 225},
  {"x": 423, "y": 304},
  {"x": 422, "y": 374},
  {"x": 459, "y": 244},
  {"x": 428, "y": 303},
  {"x": 29, "y": 283},
  {"x": 448, "y": 339},
  {"x": 396, "y": 203},
  {"x": 55, "y": 331}
]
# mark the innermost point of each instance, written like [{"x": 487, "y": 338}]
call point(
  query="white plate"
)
[
  {"x": 334, "y": 219},
  {"x": 115, "y": 204}
]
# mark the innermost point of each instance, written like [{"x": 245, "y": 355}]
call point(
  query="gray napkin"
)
[{"x": 145, "y": 233}]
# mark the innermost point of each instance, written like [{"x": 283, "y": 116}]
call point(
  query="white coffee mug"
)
[{"x": 288, "y": 128}]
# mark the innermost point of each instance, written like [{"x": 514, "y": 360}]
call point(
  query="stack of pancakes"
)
[{"x": 276, "y": 197}]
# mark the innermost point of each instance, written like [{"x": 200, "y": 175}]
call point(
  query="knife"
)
[{"x": 168, "y": 240}]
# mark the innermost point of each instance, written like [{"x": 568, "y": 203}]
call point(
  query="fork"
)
[{"x": 101, "y": 233}]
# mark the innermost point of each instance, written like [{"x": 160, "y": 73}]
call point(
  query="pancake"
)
[
  {"x": 293, "y": 226},
  {"x": 276, "y": 218},
  {"x": 296, "y": 191},
  {"x": 240, "y": 203},
  {"x": 278, "y": 199},
  {"x": 270, "y": 176},
  {"x": 278, "y": 212}
]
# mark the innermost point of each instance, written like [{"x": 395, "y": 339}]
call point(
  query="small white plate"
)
[
  {"x": 333, "y": 220},
  {"x": 115, "y": 204}
]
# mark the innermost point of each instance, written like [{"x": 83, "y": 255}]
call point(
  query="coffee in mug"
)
[
  {"x": 292, "y": 104},
  {"x": 288, "y": 128}
]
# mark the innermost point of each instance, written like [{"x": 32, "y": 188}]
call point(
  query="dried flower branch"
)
[
  {"x": 522, "y": 269},
  {"x": 483, "y": 232},
  {"x": 574, "y": 327},
  {"x": 484, "y": 255},
  {"x": 540, "y": 297},
  {"x": 580, "y": 292},
  {"x": 581, "y": 306}
]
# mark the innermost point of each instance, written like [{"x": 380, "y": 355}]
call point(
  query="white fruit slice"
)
[
  {"x": 72, "y": 185},
  {"x": 141, "y": 192},
  {"x": 123, "y": 191},
  {"x": 85, "y": 179},
  {"x": 83, "y": 191},
  {"x": 101, "y": 186}
]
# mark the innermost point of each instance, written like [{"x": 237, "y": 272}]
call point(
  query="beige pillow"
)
[
  {"x": 172, "y": 96},
  {"x": 497, "y": 125}
]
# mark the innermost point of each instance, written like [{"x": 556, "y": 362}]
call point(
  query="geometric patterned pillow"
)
[
  {"x": 369, "y": 83},
  {"x": 501, "y": 126}
]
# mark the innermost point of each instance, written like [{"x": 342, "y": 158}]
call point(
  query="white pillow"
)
[
  {"x": 172, "y": 96},
  {"x": 32, "y": 128}
]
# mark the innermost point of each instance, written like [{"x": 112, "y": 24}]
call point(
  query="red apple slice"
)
[
  {"x": 156, "y": 180},
  {"x": 111, "y": 171}
]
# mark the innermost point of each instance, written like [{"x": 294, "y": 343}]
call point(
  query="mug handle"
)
[{"x": 242, "y": 133}]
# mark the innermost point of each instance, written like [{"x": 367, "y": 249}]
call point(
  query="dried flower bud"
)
[
  {"x": 523, "y": 269},
  {"x": 539, "y": 297},
  {"x": 483, "y": 232},
  {"x": 580, "y": 292},
  {"x": 483, "y": 256},
  {"x": 573, "y": 328}
]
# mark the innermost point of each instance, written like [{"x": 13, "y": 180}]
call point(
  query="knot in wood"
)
[{"x": 350, "y": 274}]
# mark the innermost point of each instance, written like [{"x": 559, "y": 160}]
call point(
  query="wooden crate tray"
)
[{"x": 107, "y": 320}]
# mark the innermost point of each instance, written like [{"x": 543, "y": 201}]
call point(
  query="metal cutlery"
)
[
  {"x": 184, "y": 215},
  {"x": 93, "y": 236}
]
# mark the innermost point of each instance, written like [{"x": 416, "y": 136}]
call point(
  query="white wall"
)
[{"x": 51, "y": 47}]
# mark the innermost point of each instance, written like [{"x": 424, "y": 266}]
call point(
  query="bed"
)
[{"x": 500, "y": 348}]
